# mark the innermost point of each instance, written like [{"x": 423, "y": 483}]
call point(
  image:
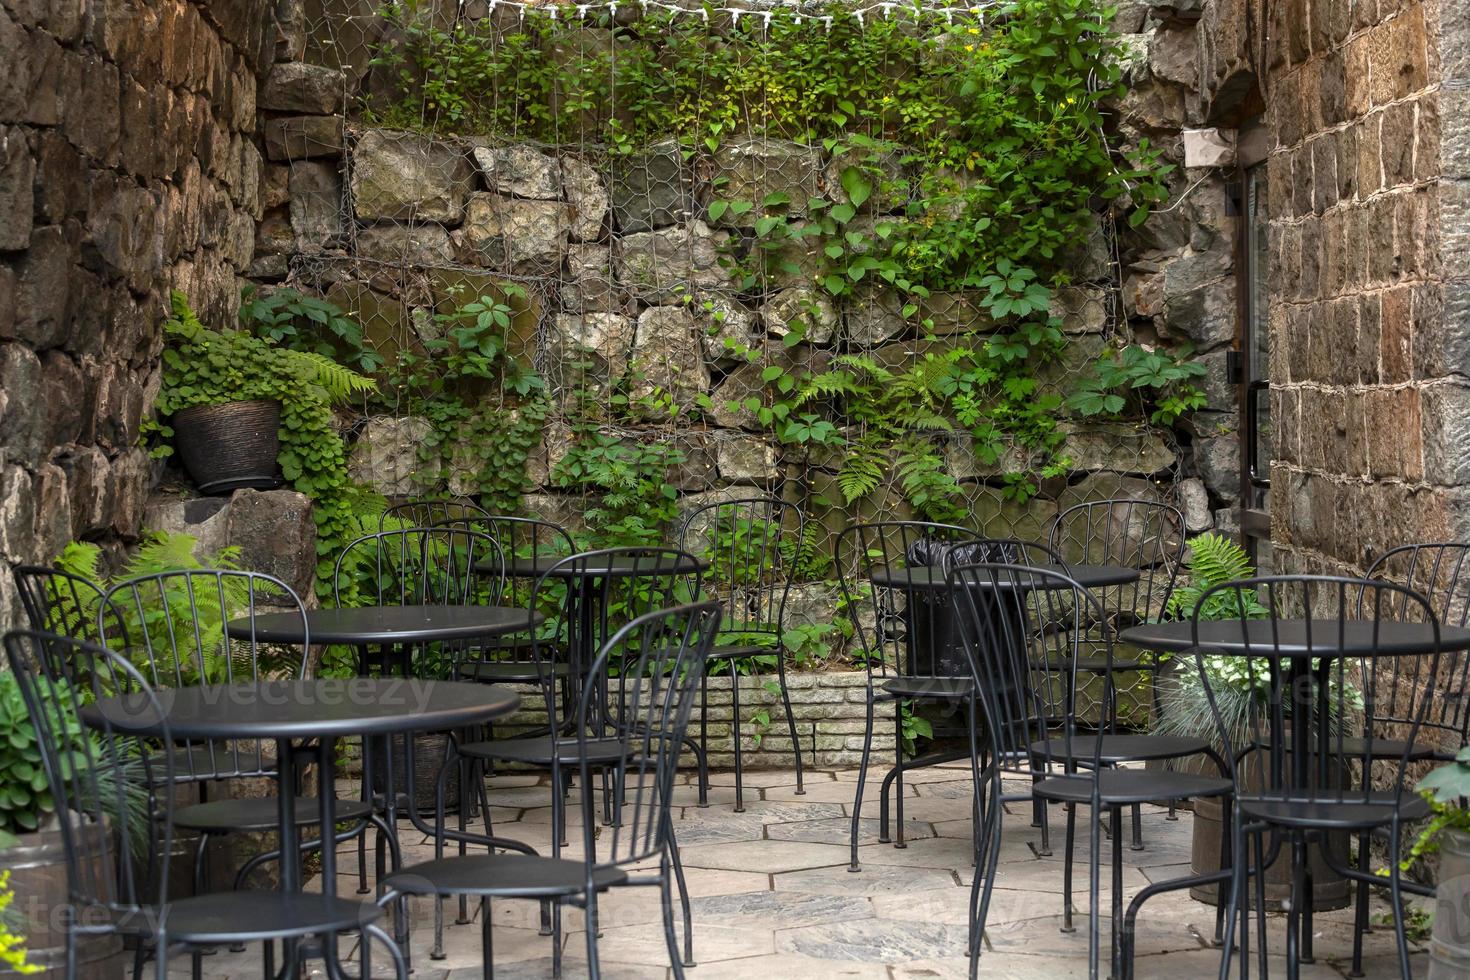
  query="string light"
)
[{"x": 884, "y": 9}]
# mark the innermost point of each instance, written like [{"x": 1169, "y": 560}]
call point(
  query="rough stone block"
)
[
  {"x": 402, "y": 176},
  {"x": 303, "y": 137},
  {"x": 295, "y": 86}
]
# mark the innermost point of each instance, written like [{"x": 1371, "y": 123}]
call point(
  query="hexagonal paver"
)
[
  {"x": 838, "y": 830},
  {"x": 772, "y": 856},
  {"x": 874, "y": 941},
  {"x": 873, "y": 879}
]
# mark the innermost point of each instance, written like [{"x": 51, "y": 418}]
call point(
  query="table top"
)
[
  {"x": 387, "y": 624},
  {"x": 321, "y": 708},
  {"x": 608, "y": 566},
  {"x": 934, "y": 577},
  {"x": 1298, "y": 637}
]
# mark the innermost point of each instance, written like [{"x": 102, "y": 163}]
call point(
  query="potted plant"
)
[
  {"x": 1184, "y": 710},
  {"x": 1448, "y": 835},
  {"x": 226, "y": 396}
]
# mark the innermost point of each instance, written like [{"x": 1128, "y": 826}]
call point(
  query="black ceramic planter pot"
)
[{"x": 231, "y": 446}]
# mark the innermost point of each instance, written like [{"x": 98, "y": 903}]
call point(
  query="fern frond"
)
[
  {"x": 862, "y": 470},
  {"x": 863, "y": 364},
  {"x": 829, "y": 384},
  {"x": 340, "y": 383},
  {"x": 184, "y": 322}
]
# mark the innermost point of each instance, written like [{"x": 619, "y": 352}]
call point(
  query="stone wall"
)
[
  {"x": 621, "y": 269},
  {"x": 1367, "y": 271},
  {"x": 128, "y": 165}
]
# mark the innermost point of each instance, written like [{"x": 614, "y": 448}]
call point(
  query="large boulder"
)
[
  {"x": 316, "y": 202},
  {"x": 386, "y": 456},
  {"x": 747, "y": 459},
  {"x": 273, "y": 529},
  {"x": 804, "y": 310},
  {"x": 295, "y": 86},
  {"x": 730, "y": 330},
  {"x": 300, "y": 137},
  {"x": 407, "y": 246},
  {"x": 663, "y": 266},
  {"x": 1119, "y": 530},
  {"x": 585, "y": 193},
  {"x": 885, "y": 173},
  {"x": 652, "y": 188},
  {"x": 668, "y": 357},
  {"x": 516, "y": 235},
  {"x": 1117, "y": 447},
  {"x": 602, "y": 341},
  {"x": 519, "y": 170},
  {"x": 402, "y": 176},
  {"x": 756, "y": 169},
  {"x": 590, "y": 281},
  {"x": 874, "y": 316}
]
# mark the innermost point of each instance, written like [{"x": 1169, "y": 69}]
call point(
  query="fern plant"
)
[{"x": 164, "y": 616}]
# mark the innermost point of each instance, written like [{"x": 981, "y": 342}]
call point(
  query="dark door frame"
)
[{"x": 1255, "y": 521}]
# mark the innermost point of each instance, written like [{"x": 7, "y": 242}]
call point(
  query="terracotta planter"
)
[
  {"x": 1449, "y": 943},
  {"x": 37, "y": 867}
]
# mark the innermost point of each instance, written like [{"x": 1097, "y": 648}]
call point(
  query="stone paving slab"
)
[{"x": 772, "y": 895}]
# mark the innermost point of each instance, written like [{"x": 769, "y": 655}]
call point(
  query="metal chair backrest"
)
[
  {"x": 1315, "y": 651},
  {"x": 893, "y": 583},
  {"x": 1016, "y": 625},
  {"x": 753, "y": 547},
  {"x": 117, "y": 835},
  {"x": 660, "y": 658},
  {"x": 599, "y": 605},
  {"x": 428, "y": 512},
  {"x": 1440, "y": 572},
  {"x": 174, "y": 627},
  {"x": 59, "y": 602},
  {"x": 447, "y": 565},
  {"x": 1143, "y": 534}
]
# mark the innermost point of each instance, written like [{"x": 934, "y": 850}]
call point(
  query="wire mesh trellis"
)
[{"x": 635, "y": 300}]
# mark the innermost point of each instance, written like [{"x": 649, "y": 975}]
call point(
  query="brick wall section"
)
[
  {"x": 127, "y": 165},
  {"x": 829, "y": 708},
  {"x": 1366, "y": 279}
]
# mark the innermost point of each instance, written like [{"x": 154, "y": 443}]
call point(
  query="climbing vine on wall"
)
[{"x": 959, "y": 156}]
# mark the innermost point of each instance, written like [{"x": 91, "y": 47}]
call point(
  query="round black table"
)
[
  {"x": 1297, "y": 639},
  {"x": 604, "y": 566},
  {"x": 390, "y": 627},
  {"x": 305, "y": 718},
  {"x": 934, "y": 577}
]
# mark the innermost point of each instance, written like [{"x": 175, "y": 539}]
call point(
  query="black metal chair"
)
[
  {"x": 650, "y": 579},
  {"x": 1017, "y": 626},
  {"x": 1440, "y": 572},
  {"x": 447, "y": 564},
  {"x": 1140, "y": 534},
  {"x": 117, "y": 830},
  {"x": 1348, "y": 767},
  {"x": 59, "y": 602},
  {"x": 173, "y": 625},
  {"x": 632, "y": 732},
  {"x": 893, "y": 583},
  {"x": 752, "y": 546},
  {"x": 428, "y": 512}
]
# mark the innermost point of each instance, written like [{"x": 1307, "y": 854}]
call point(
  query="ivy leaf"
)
[
  {"x": 857, "y": 185},
  {"x": 717, "y": 209}
]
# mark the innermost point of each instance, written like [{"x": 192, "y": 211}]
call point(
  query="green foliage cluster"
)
[
  {"x": 25, "y": 795},
  {"x": 633, "y": 501},
  {"x": 12, "y": 944},
  {"x": 485, "y": 405},
  {"x": 202, "y": 366}
]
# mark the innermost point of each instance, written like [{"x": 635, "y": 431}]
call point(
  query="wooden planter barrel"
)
[{"x": 37, "y": 867}]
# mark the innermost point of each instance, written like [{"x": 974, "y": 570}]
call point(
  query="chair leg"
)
[
  {"x": 487, "y": 941},
  {"x": 1294, "y": 911},
  {"x": 593, "y": 972},
  {"x": 702, "y": 756},
  {"x": 1094, "y": 894},
  {"x": 1137, "y": 844},
  {"x": 196, "y": 965},
  {"x": 1117, "y": 915},
  {"x": 1237, "y": 886},
  {"x": 1396, "y": 893},
  {"x": 678, "y": 865},
  {"x": 1360, "y": 910},
  {"x": 735, "y": 732},
  {"x": 898, "y": 782},
  {"x": 857, "y": 802},
  {"x": 1307, "y": 900},
  {"x": 362, "y": 884},
  {"x": 791, "y": 726},
  {"x": 1067, "y": 860}
]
